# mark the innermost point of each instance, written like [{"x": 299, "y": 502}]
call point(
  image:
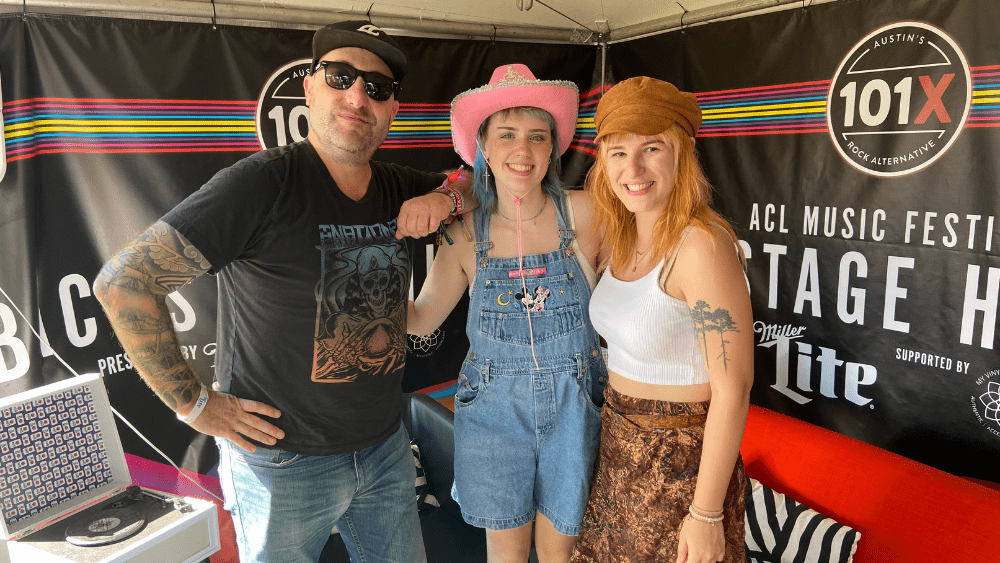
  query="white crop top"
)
[{"x": 651, "y": 336}]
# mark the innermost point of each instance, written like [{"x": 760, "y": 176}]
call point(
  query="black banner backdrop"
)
[
  {"x": 855, "y": 148},
  {"x": 108, "y": 123},
  {"x": 853, "y": 145}
]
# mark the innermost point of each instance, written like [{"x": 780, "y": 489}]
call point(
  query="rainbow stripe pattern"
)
[
  {"x": 39, "y": 126},
  {"x": 420, "y": 126},
  {"x": 985, "y": 97},
  {"x": 71, "y": 125},
  {"x": 798, "y": 108},
  {"x": 586, "y": 131},
  {"x": 765, "y": 110}
]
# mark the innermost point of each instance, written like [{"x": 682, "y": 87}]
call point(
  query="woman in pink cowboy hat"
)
[
  {"x": 527, "y": 408},
  {"x": 674, "y": 308}
]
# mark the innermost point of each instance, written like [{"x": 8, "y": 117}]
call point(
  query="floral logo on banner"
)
[
  {"x": 986, "y": 406},
  {"x": 899, "y": 99},
  {"x": 423, "y": 346},
  {"x": 282, "y": 116},
  {"x": 991, "y": 402}
]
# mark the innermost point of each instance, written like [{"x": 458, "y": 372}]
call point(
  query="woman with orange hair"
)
[{"x": 674, "y": 308}]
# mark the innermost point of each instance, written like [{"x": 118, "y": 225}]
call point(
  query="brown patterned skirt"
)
[{"x": 644, "y": 482}]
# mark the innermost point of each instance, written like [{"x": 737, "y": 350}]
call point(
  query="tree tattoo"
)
[{"x": 720, "y": 321}]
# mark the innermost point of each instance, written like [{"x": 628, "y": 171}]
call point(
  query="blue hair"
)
[{"x": 485, "y": 189}]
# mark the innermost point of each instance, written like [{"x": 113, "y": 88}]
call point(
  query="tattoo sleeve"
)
[{"x": 132, "y": 287}]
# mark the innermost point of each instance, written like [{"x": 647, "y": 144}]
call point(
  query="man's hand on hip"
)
[{"x": 232, "y": 418}]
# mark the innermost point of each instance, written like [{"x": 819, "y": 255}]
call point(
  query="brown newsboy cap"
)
[{"x": 646, "y": 106}]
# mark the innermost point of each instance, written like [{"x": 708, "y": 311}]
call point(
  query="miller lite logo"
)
[{"x": 816, "y": 369}]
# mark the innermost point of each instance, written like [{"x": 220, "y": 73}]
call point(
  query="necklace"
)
[
  {"x": 540, "y": 209},
  {"x": 520, "y": 260},
  {"x": 638, "y": 256}
]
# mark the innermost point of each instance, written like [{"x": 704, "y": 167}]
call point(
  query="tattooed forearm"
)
[
  {"x": 159, "y": 356},
  {"x": 125, "y": 279},
  {"x": 132, "y": 288},
  {"x": 170, "y": 378},
  {"x": 707, "y": 320},
  {"x": 137, "y": 321},
  {"x": 162, "y": 366},
  {"x": 159, "y": 261},
  {"x": 176, "y": 388}
]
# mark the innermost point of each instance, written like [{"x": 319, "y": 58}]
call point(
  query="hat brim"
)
[{"x": 469, "y": 110}]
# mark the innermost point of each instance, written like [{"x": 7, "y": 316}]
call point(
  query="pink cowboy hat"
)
[{"x": 512, "y": 86}]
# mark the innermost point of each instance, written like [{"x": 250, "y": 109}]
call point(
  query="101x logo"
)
[
  {"x": 899, "y": 99},
  {"x": 282, "y": 116}
]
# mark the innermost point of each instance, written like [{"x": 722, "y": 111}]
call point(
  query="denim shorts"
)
[{"x": 526, "y": 440}]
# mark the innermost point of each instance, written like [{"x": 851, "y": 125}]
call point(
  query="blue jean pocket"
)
[
  {"x": 597, "y": 380},
  {"x": 543, "y": 326}
]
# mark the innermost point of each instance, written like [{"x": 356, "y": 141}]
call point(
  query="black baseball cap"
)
[{"x": 364, "y": 35}]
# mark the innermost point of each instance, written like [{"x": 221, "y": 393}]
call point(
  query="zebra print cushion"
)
[
  {"x": 781, "y": 530},
  {"x": 425, "y": 498}
]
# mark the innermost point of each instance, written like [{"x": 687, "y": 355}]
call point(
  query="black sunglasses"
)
[{"x": 341, "y": 76}]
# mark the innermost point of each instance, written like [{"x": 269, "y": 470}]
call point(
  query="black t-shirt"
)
[{"x": 313, "y": 289}]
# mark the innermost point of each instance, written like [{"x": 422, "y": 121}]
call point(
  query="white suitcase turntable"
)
[{"x": 66, "y": 495}]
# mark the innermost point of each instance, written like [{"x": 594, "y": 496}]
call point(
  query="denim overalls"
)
[{"x": 526, "y": 438}]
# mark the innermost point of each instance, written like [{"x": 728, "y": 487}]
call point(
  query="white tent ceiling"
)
[{"x": 567, "y": 21}]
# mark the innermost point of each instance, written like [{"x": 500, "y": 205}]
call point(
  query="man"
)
[{"x": 313, "y": 285}]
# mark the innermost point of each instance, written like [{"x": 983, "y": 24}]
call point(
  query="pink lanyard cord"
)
[{"x": 520, "y": 266}]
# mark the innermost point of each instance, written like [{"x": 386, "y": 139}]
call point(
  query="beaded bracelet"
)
[
  {"x": 199, "y": 406},
  {"x": 711, "y": 520},
  {"x": 709, "y": 513}
]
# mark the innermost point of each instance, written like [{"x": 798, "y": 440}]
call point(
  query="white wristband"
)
[{"x": 199, "y": 406}]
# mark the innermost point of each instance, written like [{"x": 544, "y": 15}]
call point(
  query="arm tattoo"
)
[
  {"x": 720, "y": 321},
  {"x": 133, "y": 289},
  {"x": 175, "y": 383},
  {"x": 159, "y": 261},
  {"x": 137, "y": 321}
]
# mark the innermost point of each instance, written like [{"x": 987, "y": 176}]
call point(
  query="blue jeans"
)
[{"x": 284, "y": 505}]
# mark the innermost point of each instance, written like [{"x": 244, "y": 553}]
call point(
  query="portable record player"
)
[{"x": 66, "y": 495}]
